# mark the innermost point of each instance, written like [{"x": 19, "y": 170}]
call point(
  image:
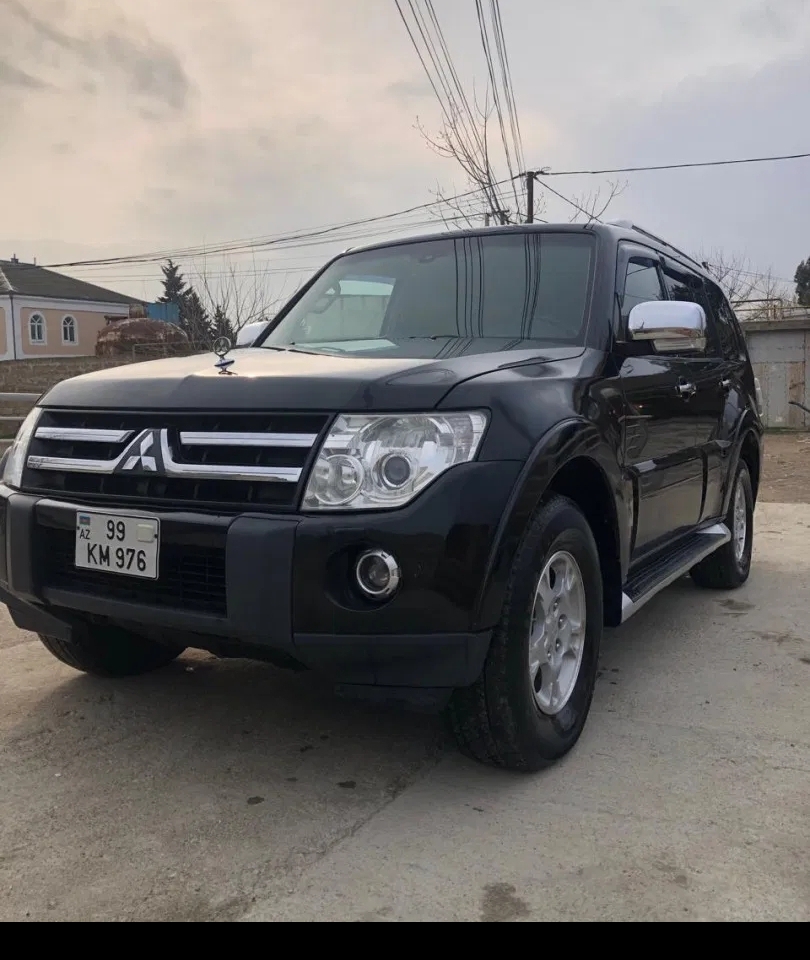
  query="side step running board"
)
[{"x": 668, "y": 568}]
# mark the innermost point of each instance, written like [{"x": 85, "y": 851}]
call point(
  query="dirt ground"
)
[{"x": 786, "y": 474}]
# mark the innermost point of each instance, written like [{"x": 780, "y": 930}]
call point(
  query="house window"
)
[
  {"x": 36, "y": 328},
  {"x": 69, "y": 330}
]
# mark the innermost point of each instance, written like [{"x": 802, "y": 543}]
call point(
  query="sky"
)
[{"x": 130, "y": 126}]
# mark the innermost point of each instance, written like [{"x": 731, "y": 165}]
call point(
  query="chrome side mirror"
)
[{"x": 671, "y": 325}]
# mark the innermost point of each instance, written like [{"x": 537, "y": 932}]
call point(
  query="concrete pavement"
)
[{"x": 230, "y": 790}]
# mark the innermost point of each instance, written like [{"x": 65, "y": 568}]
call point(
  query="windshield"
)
[{"x": 492, "y": 292}]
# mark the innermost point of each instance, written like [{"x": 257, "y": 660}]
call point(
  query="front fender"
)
[{"x": 563, "y": 443}]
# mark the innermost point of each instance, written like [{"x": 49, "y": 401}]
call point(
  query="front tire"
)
[
  {"x": 110, "y": 651},
  {"x": 528, "y": 707},
  {"x": 728, "y": 567}
]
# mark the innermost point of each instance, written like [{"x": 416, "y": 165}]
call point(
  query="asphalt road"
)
[{"x": 230, "y": 790}]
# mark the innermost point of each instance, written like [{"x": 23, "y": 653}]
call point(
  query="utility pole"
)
[
  {"x": 530, "y": 196},
  {"x": 531, "y": 176}
]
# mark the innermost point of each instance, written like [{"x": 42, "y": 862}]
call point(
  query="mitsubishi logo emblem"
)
[{"x": 143, "y": 453}]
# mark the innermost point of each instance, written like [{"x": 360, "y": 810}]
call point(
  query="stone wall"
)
[{"x": 37, "y": 376}]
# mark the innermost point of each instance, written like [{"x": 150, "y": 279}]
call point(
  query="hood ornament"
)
[{"x": 222, "y": 346}]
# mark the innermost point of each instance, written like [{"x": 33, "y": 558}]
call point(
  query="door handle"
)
[{"x": 686, "y": 390}]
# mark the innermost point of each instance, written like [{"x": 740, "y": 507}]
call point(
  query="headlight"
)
[
  {"x": 12, "y": 472},
  {"x": 369, "y": 462}
]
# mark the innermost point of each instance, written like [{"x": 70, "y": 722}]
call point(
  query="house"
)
[{"x": 46, "y": 314}]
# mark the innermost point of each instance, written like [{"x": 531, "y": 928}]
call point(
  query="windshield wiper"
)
[
  {"x": 291, "y": 348},
  {"x": 438, "y": 336}
]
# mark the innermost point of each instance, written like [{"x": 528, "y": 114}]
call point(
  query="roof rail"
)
[{"x": 629, "y": 225}]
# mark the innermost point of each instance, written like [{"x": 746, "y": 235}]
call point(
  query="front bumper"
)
[{"x": 280, "y": 583}]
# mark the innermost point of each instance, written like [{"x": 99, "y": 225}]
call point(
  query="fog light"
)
[{"x": 377, "y": 574}]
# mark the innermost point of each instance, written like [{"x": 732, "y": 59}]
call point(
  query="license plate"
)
[{"x": 116, "y": 544}]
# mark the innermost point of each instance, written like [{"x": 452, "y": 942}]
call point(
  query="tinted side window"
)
[
  {"x": 685, "y": 286},
  {"x": 641, "y": 284},
  {"x": 682, "y": 285},
  {"x": 730, "y": 318},
  {"x": 725, "y": 322}
]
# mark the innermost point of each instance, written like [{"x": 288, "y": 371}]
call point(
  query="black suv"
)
[{"x": 438, "y": 472}]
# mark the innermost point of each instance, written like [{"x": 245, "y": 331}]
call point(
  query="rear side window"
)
[
  {"x": 683, "y": 286},
  {"x": 686, "y": 286},
  {"x": 732, "y": 324},
  {"x": 642, "y": 283},
  {"x": 729, "y": 335}
]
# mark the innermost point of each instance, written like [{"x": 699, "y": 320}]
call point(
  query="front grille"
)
[
  {"x": 236, "y": 460},
  {"x": 190, "y": 577}
]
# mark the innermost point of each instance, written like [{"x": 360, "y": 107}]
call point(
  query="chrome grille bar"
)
[
  {"x": 171, "y": 467},
  {"x": 194, "y": 439},
  {"x": 207, "y": 471},
  {"x": 72, "y": 465},
  {"x": 82, "y": 435}
]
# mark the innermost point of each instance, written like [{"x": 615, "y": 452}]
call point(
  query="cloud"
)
[
  {"x": 408, "y": 90},
  {"x": 11, "y": 76},
  {"x": 278, "y": 121},
  {"x": 137, "y": 125},
  {"x": 758, "y": 210},
  {"x": 109, "y": 48}
]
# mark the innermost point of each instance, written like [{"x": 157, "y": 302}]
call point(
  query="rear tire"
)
[
  {"x": 728, "y": 567},
  {"x": 513, "y": 716},
  {"x": 110, "y": 651}
]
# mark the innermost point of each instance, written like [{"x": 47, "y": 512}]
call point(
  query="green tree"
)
[
  {"x": 175, "y": 288},
  {"x": 194, "y": 319},
  {"x": 802, "y": 281},
  {"x": 221, "y": 325}
]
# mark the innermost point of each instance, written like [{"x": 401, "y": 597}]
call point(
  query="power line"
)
[
  {"x": 756, "y": 274},
  {"x": 465, "y": 139},
  {"x": 289, "y": 241},
  {"x": 314, "y": 236},
  {"x": 574, "y": 204},
  {"x": 496, "y": 97},
  {"x": 453, "y": 73},
  {"x": 588, "y": 213},
  {"x": 451, "y": 110},
  {"x": 546, "y": 172},
  {"x": 509, "y": 88},
  {"x": 258, "y": 271}
]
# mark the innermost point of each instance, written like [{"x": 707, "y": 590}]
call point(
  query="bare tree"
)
[
  {"x": 238, "y": 294},
  {"x": 753, "y": 294},
  {"x": 593, "y": 205},
  {"x": 465, "y": 138}
]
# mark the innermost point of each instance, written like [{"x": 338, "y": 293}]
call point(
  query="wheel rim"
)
[
  {"x": 557, "y": 638},
  {"x": 740, "y": 522}
]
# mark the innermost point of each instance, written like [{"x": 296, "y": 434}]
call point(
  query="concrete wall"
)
[{"x": 780, "y": 353}]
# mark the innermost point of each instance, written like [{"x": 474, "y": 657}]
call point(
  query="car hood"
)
[{"x": 266, "y": 379}]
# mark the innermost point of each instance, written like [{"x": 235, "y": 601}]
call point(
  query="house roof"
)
[{"x": 29, "y": 280}]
